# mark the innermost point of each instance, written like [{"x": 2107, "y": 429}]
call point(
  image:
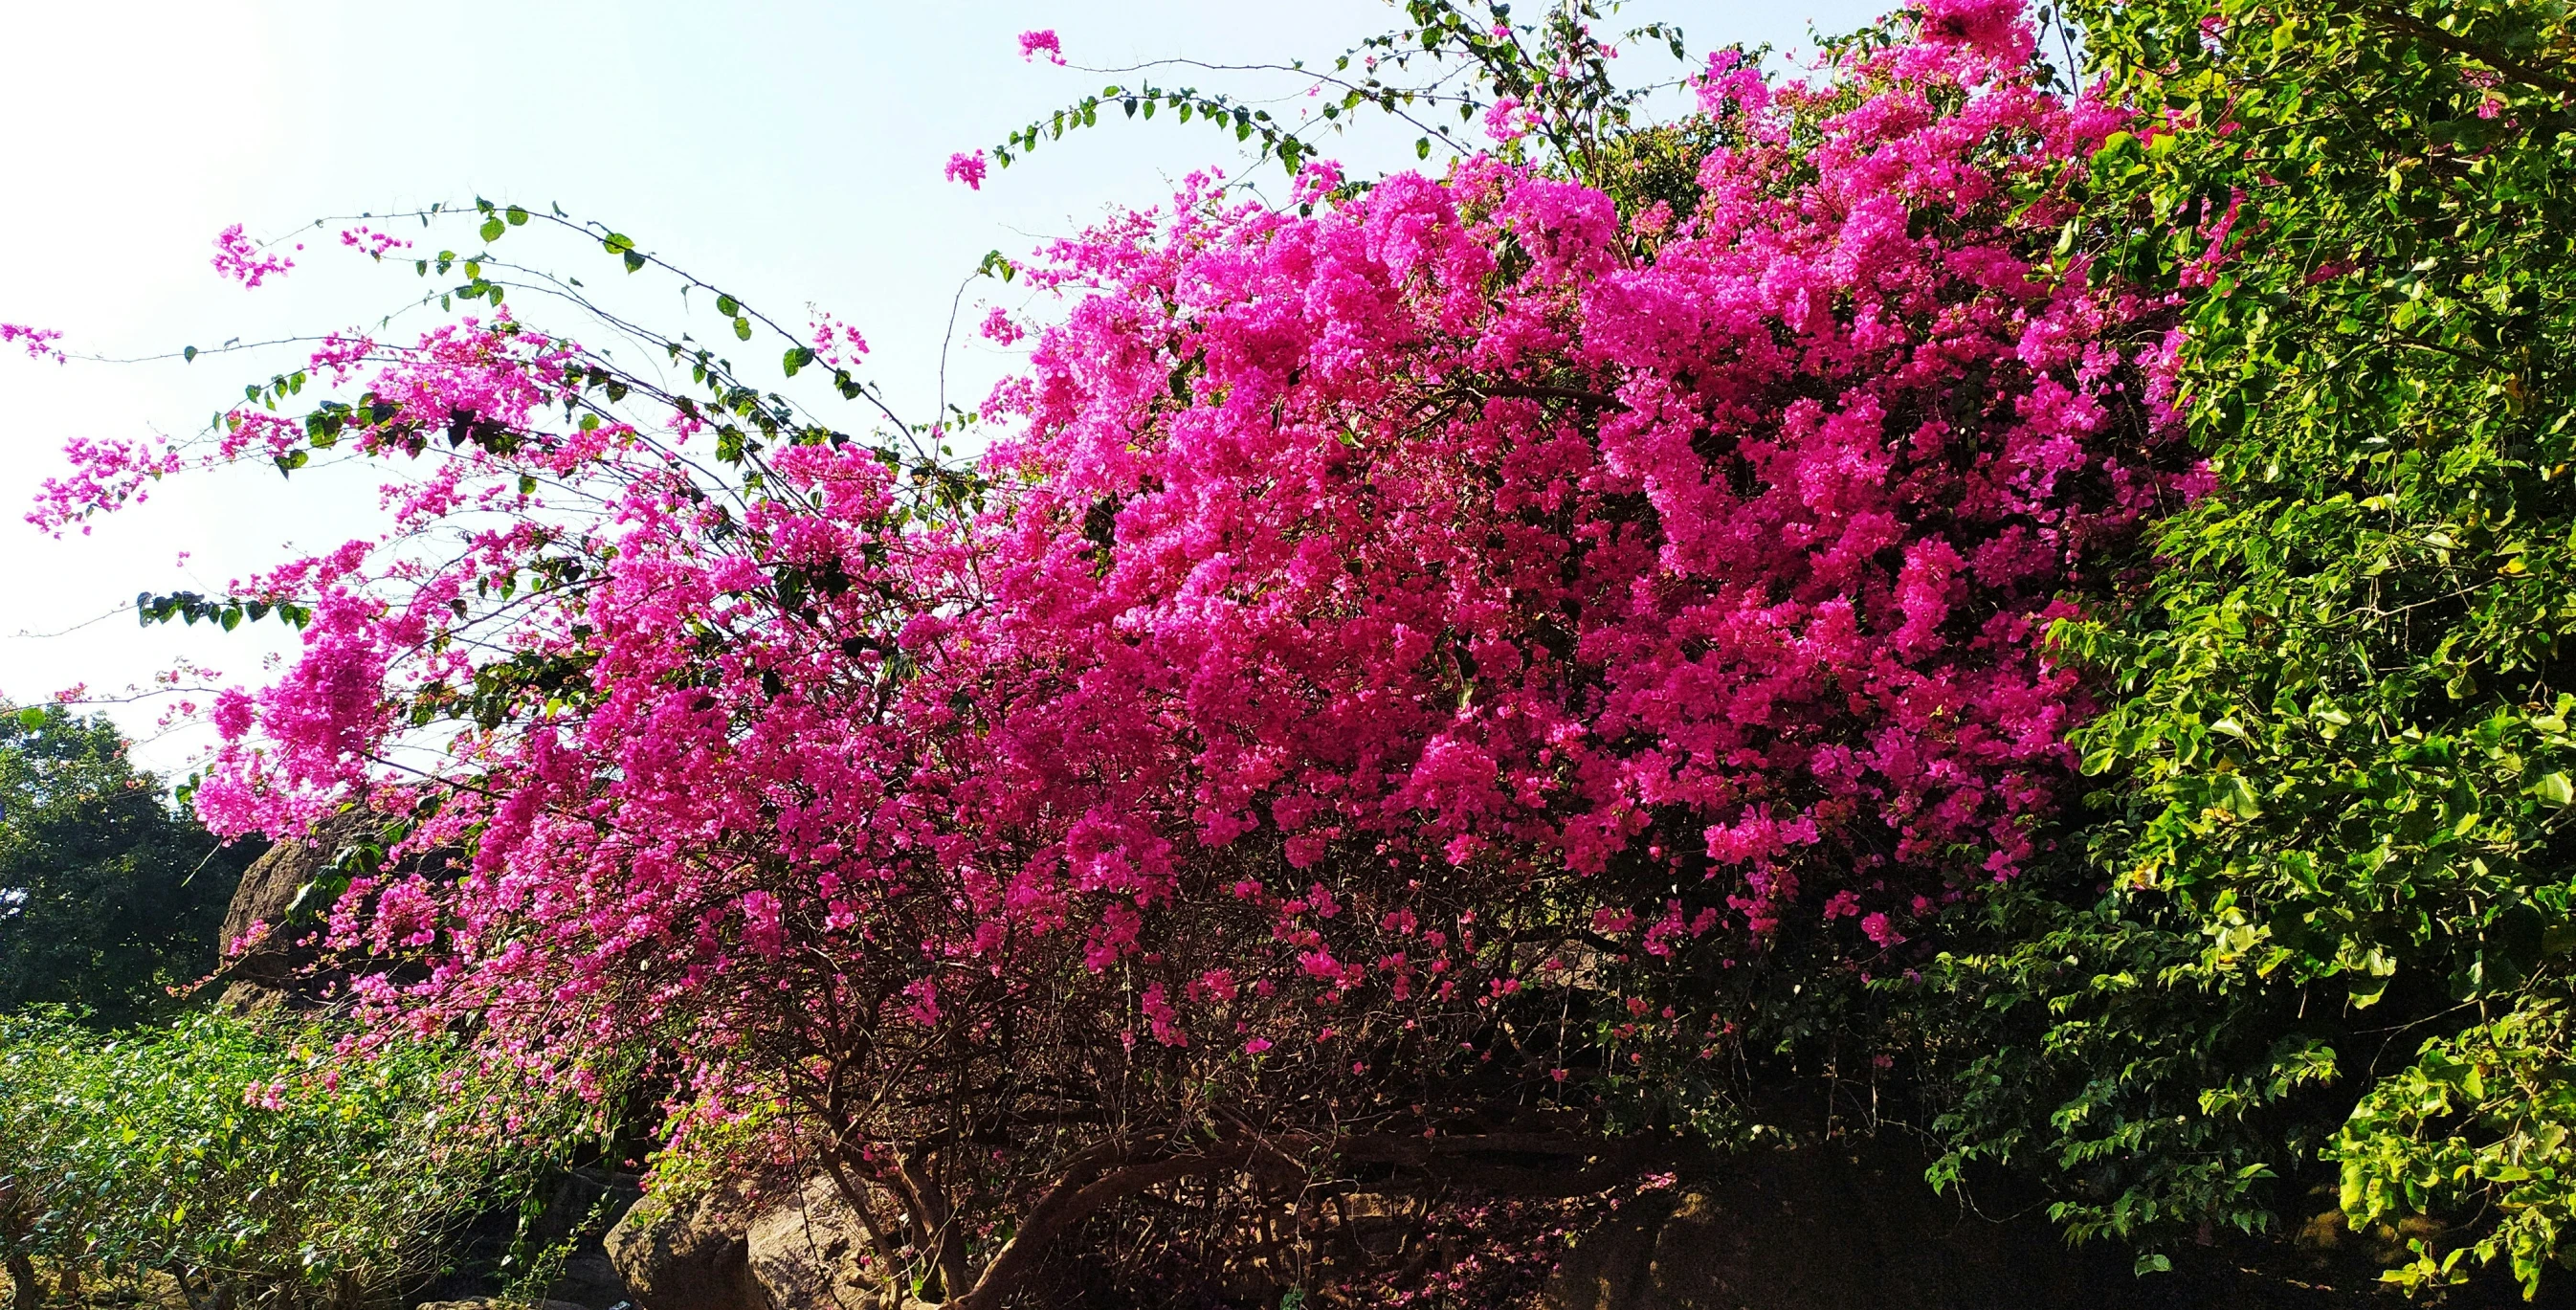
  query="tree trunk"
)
[
  {"x": 1100, "y": 1178},
  {"x": 28, "y": 1292}
]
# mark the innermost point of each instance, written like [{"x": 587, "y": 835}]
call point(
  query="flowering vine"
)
[{"x": 1377, "y": 627}]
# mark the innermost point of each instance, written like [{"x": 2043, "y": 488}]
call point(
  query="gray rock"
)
[
  {"x": 806, "y": 1252},
  {"x": 277, "y": 974},
  {"x": 688, "y": 1257},
  {"x": 263, "y": 979},
  {"x": 496, "y": 1303}
]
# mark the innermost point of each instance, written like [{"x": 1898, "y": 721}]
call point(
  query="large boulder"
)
[
  {"x": 690, "y": 1256},
  {"x": 495, "y": 1303},
  {"x": 272, "y": 973},
  {"x": 808, "y": 1250},
  {"x": 582, "y": 1197},
  {"x": 281, "y": 899}
]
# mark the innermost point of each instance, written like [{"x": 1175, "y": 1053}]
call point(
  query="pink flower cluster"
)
[
  {"x": 1356, "y": 596},
  {"x": 245, "y": 261},
  {"x": 106, "y": 474},
  {"x": 1033, "y": 44},
  {"x": 968, "y": 168},
  {"x": 40, "y": 343},
  {"x": 837, "y": 344},
  {"x": 371, "y": 243}
]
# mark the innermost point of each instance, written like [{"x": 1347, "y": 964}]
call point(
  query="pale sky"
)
[{"x": 789, "y": 151}]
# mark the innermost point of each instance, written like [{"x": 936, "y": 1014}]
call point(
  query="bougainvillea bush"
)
[{"x": 1510, "y": 638}]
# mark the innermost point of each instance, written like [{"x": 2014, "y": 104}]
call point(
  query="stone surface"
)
[
  {"x": 264, "y": 978},
  {"x": 277, "y": 974},
  {"x": 806, "y": 1251},
  {"x": 1809, "y": 1230},
  {"x": 495, "y": 1303},
  {"x": 1819, "y": 1229},
  {"x": 687, "y": 1257},
  {"x": 583, "y": 1200}
]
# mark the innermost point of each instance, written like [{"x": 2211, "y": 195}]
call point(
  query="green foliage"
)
[
  {"x": 2483, "y": 1113},
  {"x": 252, "y": 1160},
  {"x": 2337, "y": 756},
  {"x": 2090, "y": 1041},
  {"x": 108, "y": 897}
]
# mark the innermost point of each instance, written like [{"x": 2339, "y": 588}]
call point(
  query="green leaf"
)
[
  {"x": 727, "y": 306},
  {"x": 742, "y": 328},
  {"x": 518, "y": 217},
  {"x": 31, "y": 718},
  {"x": 2556, "y": 789},
  {"x": 492, "y": 229}
]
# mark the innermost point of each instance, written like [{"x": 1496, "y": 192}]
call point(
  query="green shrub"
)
[
  {"x": 253, "y": 1162},
  {"x": 2330, "y": 922}
]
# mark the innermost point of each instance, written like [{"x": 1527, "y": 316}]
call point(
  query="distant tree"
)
[{"x": 108, "y": 895}]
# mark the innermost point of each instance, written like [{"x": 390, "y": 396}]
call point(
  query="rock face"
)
[
  {"x": 806, "y": 1251},
  {"x": 588, "y": 1277},
  {"x": 265, "y": 978},
  {"x": 490, "y": 1303},
  {"x": 690, "y": 1257},
  {"x": 1816, "y": 1229},
  {"x": 276, "y": 973}
]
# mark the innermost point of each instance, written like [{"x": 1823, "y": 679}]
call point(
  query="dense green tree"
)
[
  {"x": 2334, "y": 829},
  {"x": 108, "y": 895}
]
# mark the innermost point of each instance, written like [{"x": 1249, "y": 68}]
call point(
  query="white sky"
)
[{"x": 790, "y": 151}]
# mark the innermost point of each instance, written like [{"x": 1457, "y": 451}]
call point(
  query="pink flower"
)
[
  {"x": 999, "y": 329},
  {"x": 1317, "y": 181},
  {"x": 1992, "y": 26},
  {"x": 232, "y": 713},
  {"x": 1732, "y": 81},
  {"x": 1256, "y": 1046},
  {"x": 242, "y": 260},
  {"x": 837, "y": 344},
  {"x": 761, "y": 927},
  {"x": 967, "y": 168},
  {"x": 38, "y": 341},
  {"x": 924, "y": 1007},
  {"x": 371, "y": 243},
  {"x": 1033, "y": 42}
]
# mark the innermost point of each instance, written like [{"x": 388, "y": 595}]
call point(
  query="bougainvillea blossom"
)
[
  {"x": 1033, "y": 44},
  {"x": 242, "y": 260},
  {"x": 1367, "y": 610},
  {"x": 39, "y": 343}
]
